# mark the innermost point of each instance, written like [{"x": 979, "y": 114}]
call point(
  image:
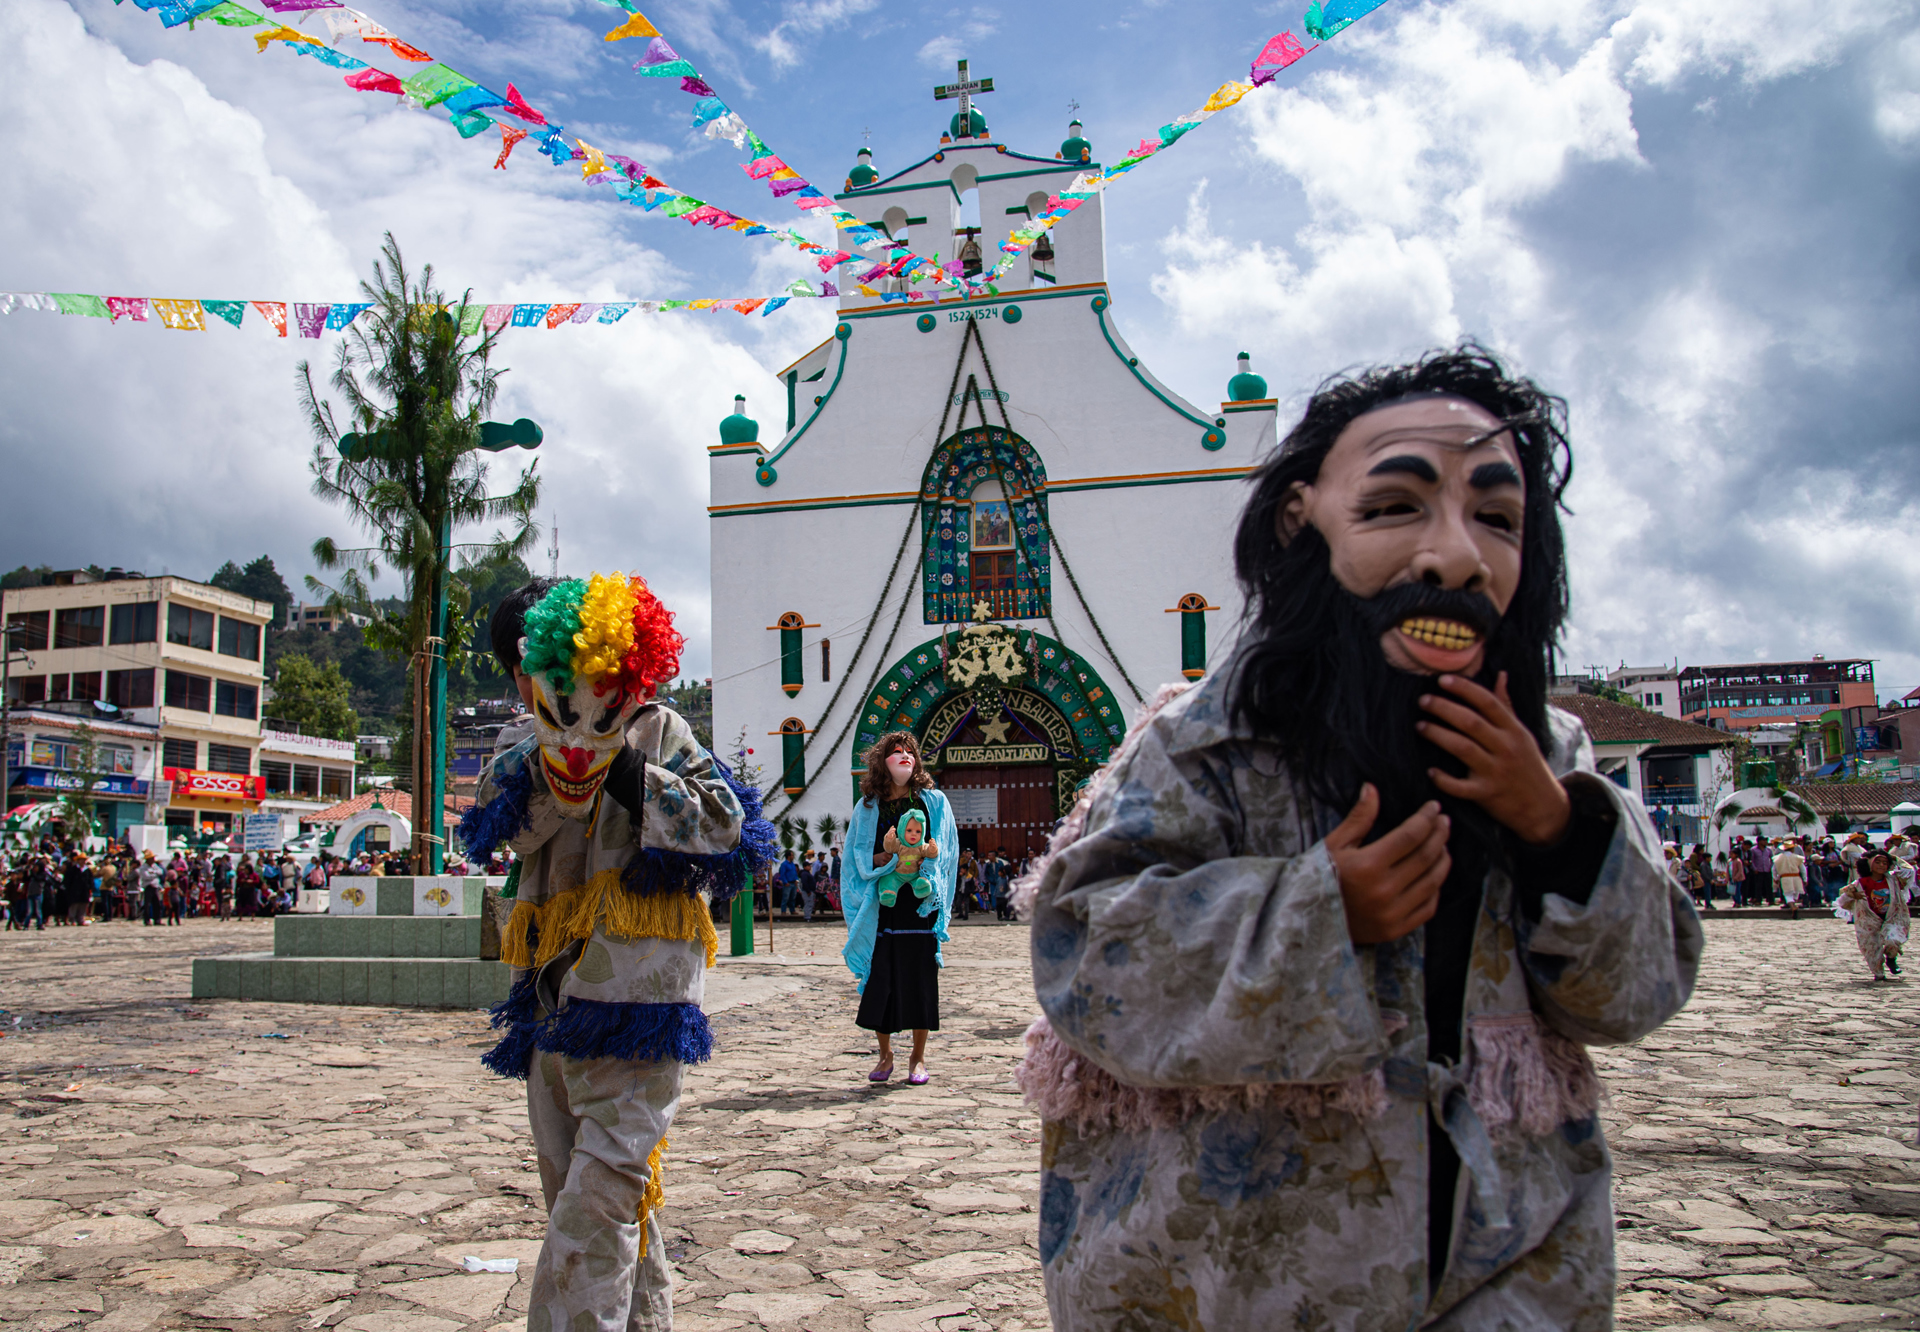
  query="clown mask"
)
[
  {"x": 579, "y": 733},
  {"x": 900, "y": 766}
]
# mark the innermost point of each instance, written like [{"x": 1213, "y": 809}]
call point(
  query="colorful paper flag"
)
[
  {"x": 133, "y": 307},
  {"x": 231, "y": 311},
  {"x": 637, "y": 26},
  {"x": 310, "y": 319},
  {"x": 560, "y": 314},
  {"x": 526, "y": 316},
  {"x": 611, "y": 312},
  {"x": 275, "y": 313},
  {"x": 339, "y": 316},
  {"x": 79, "y": 303},
  {"x": 497, "y": 317},
  {"x": 509, "y": 135},
  {"x": 376, "y": 80},
  {"x": 185, "y": 316}
]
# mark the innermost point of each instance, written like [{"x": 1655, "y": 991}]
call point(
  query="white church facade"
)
[{"x": 985, "y": 521}]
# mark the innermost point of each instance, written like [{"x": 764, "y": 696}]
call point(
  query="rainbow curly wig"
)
[{"x": 610, "y": 631}]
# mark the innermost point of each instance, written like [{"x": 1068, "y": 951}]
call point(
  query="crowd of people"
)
[
  {"x": 807, "y": 881},
  {"x": 60, "y": 883},
  {"x": 1872, "y": 887}
]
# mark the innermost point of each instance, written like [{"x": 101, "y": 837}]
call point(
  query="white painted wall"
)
[{"x": 1135, "y": 548}]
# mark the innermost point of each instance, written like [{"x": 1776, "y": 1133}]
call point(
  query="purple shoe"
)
[
  {"x": 917, "y": 1079},
  {"x": 881, "y": 1074}
]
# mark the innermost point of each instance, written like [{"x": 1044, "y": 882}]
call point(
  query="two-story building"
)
[
  {"x": 170, "y": 653},
  {"x": 304, "y": 775},
  {"x": 1740, "y": 697},
  {"x": 1680, "y": 771},
  {"x": 59, "y": 749},
  {"x": 1655, "y": 688}
]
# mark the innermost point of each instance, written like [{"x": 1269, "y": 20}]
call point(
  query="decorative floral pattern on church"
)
[{"x": 1014, "y": 582}]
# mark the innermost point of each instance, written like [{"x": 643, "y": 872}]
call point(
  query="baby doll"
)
[{"x": 908, "y": 841}]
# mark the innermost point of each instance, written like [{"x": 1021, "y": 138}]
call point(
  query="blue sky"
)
[{"x": 1692, "y": 219}]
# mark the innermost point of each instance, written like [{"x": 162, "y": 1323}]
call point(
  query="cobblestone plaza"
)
[{"x": 219, "y": 1163}]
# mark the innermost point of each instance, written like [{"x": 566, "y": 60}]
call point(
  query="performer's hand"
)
[
  {"x": 1391, "y": 886},
  {"x": 1507, "y": 775}
]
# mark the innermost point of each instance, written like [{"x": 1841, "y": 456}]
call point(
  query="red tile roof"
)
[
  {"x": 1857, "y": 797},
  {"x": 400, "y": 802},
  {"x": 1616, "y": 723}
]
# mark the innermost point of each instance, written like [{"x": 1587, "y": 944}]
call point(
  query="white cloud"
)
[
  {"x": 154, "y": 448},
  {"x": 808, "y": 18},
  {"x": 1421, "y": 166},
  {"x": 949, "y": 48}
]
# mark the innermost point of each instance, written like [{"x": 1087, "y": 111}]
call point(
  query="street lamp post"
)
[{"x": 7, "y": 631}]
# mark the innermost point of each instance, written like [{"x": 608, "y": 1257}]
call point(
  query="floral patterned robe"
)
[{"x": 1236, "y": 1097}]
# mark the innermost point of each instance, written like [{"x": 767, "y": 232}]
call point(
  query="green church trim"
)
[
  {"x": 765, "y": 474},
  {"x": 910, "y": 690},
  {"x": 1214, "y": 432}
]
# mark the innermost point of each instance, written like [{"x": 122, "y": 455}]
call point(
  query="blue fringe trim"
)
[
  {"x": 483, "y": 827},
  {"x": 520, "y": 1007},
  {"x": 655, "y": 870},
  {"x": 511, "y": 1057},
  {"x": 519, "y": 1012},
  {"x": 592, "y": 1029}
]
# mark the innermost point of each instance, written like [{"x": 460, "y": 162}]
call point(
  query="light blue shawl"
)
[{"x": 860, "y": 880}]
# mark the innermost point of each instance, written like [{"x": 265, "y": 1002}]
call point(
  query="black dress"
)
[{"x": 903, "y": 985}]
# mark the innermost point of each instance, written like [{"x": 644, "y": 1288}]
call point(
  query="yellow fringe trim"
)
[
  {"x": 654, "y": 1196},
  {"x": 602, "y": 902}
]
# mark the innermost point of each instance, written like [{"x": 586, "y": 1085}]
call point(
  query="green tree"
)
[
  {"x": 415, "y": 388},
  {"x": 314, "y": 698},
  {"x": 259, "y": 580},
  {"x": 83, "y": 765},
  {"x": 25, "y": 576}
]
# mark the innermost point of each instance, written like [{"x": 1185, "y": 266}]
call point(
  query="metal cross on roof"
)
[{"x": 965, "y": 90}]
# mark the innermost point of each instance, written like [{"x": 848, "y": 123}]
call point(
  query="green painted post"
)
[
  {"x": 437, "y": 714},
  {"x": 743, "y": 921}
]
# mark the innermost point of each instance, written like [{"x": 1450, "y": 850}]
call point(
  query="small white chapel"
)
[{"x": 983, "y": 520}]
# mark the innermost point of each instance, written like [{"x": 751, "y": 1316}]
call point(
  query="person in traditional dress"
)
[
  {"x": 1879, "y": 915},
  {"x": 1790, "y": 873},
  {"x": 1320, "y": 953},
  {"x": 893, "y": 949},
  {"x": 626, "y": 827}
]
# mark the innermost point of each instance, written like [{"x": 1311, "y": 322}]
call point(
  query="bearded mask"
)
[
  {"x": 594, "y": 649},
  {"x": 579, "y": 733}
]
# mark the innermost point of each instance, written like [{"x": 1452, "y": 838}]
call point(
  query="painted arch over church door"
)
[
  {"x": 1054, "y": 699},
  {"x": 984, "y": 530}
]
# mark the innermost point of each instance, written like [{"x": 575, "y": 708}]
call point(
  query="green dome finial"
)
[
  {"x": 1076, "y": 148},
  {"x": 739, "y": 428},
  {"x": 976, "y": 125},
  {"x": 1246, "y": 386},
  {"x": 863, "y": 173}
]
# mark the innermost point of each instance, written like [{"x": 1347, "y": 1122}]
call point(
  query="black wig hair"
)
[
  {"x": 510, "y": 620},
  {"x": 1306, "y": 676}
]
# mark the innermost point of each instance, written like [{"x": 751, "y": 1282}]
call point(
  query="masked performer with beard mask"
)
[
  {"x": 1319, "y": 956},
  {"x": 626, "y": 827}
]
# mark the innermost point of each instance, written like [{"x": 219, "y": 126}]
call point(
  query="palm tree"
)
[
  {"x": 402, "y": 462},
  {"x": 826, "y": 825}
]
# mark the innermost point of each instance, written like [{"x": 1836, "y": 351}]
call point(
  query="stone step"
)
[
  {"x": 376, "y": 936},
  {"x": 384, "y": 982}
]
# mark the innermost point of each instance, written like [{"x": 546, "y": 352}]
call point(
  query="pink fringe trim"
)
[
  {"x": 1063, "y": 1087},
  {"x": 1071, "y": 827},
  {"x": 1528, "y": 1078}
]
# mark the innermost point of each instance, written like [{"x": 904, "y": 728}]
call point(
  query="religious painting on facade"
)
[{"x": 992, "y": 525}]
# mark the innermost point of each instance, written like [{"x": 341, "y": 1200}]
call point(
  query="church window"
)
[
  {"x": 1192, "y": 610},
  {"x": 793, "y": 673},
  {"x": 985, "y": 529},
  {"x": 826, "y": 660},
  {"x": 793, "y": 745}
]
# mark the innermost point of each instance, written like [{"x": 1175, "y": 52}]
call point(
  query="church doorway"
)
[{"x": 1009, "y": 810}]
